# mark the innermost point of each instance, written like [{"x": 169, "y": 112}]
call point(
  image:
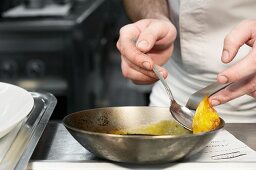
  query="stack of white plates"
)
[{"x": 15, "y": 104}]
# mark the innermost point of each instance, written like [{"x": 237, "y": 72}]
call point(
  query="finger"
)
[
  {"x": 245, "y": 86},
  {"x": 243, "y": 68},
  {"x": 126, "y": 45},
  {"x": 156, "y": 34},
  {"x": 154, "y": 55},
  {"x": 118, "y": 44},
  {"x": 144, "y": 82},
  {"x": 235, "y": 39},
  {"x": 253, "y": 94},
  {"x": 130, "y": 66},
  {"x": 143, "y": 71},
  {"x": 134, "y": 75}
]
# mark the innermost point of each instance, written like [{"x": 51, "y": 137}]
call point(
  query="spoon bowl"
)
[{"x": 181, "y": 114}]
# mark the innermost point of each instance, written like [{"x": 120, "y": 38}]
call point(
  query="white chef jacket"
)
[{"x": 202, "y": 26}]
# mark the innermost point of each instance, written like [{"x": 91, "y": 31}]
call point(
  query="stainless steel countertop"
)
[{"x": 57, "y": 145}]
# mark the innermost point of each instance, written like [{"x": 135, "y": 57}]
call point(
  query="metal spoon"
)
[
  {"x": 180, "y": 113},
  {"x": 184, "y": 114}
]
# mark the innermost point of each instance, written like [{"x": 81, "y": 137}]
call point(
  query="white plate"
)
[{"x": 15, "y": 104}]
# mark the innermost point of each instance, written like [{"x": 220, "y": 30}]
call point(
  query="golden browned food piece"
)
[{"x": 206, "y": 118}]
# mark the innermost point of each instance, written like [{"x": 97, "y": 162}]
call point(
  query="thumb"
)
[
  {"x": 147, "y": 39},
  {"x": 155, "y": 31}
]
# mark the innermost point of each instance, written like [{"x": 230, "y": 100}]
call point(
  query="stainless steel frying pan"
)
[{"x": 90, "y": 128}]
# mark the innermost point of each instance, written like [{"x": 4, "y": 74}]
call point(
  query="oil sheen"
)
[{"x": 165, "y": 127}]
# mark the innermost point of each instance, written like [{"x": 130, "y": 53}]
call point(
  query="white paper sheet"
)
[{"x": 225, "y": 147}]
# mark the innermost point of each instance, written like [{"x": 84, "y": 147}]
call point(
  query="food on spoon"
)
[
  {"x": 206, "y": 118},
  {"x": 164, "y": 127}
]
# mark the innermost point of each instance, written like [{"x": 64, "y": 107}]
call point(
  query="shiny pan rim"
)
[{"x": 136, "y": 136}]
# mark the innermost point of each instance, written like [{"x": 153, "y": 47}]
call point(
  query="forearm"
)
[{"x": 141, "y": 9}]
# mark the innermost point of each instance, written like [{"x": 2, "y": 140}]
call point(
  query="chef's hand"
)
[
  {"x": 243, "y": 73},
  {"x": 143, "y": 44}
]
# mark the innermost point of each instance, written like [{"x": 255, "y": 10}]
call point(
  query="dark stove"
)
[{"x": 55, "y": 53}]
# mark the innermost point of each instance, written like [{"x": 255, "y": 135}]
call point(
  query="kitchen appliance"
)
[
  {"x": 7, "y": 4},
  {"x": 54, "y": 53}
]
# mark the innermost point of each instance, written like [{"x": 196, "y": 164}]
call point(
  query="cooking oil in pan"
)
[{"x": 164, "y": 127}]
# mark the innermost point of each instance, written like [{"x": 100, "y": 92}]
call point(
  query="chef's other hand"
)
[
  {"x": 242, "y": 74},
  {"x": 143, "y": 44}
]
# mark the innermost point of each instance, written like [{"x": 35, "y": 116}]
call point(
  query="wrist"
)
[
  {"x": 146, "y": 9},
  {"x": 158, "y": 16}
]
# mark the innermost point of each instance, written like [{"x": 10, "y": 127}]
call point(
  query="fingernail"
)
[
  {"x": 225, "y": 56},
  {"x": 143, "y": 44},
  {"x": 146, "y": 65},
  {"x": 162, "y": 73},
  {"x": 215, "y": 102},
  {"x": 223, "y": 79}
]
